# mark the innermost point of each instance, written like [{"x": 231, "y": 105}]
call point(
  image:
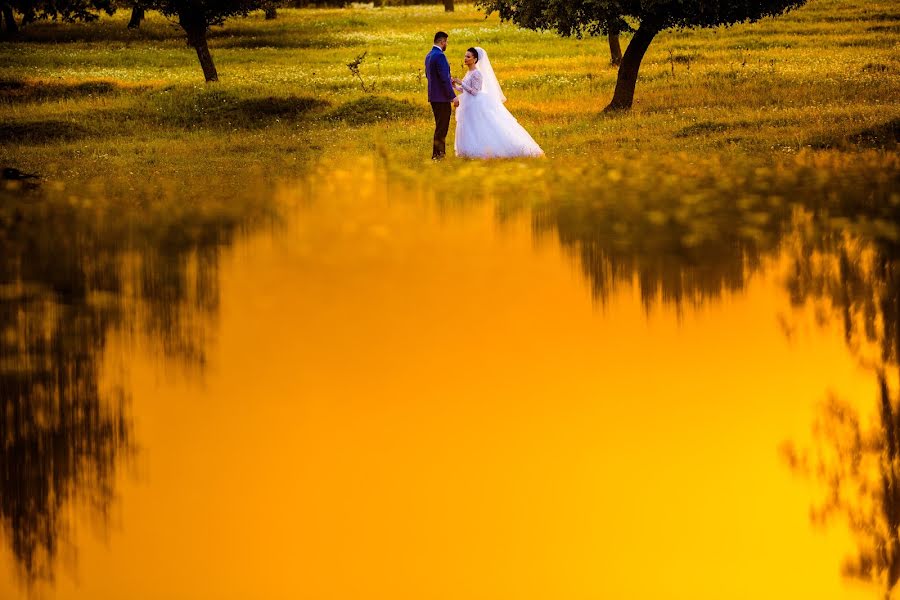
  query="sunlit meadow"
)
[{"x": 88, "y": 101}]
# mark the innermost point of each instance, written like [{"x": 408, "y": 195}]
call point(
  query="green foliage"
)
[
  {"x": 599, "y": 17},
  {"x": 203, "y": 12},
  {"x": 64, "y": 10}
]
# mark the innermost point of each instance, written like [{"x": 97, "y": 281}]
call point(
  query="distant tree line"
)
[
  {"x": 448, "y": 4},
  {"x": 57, "y": 10},
  {"x": 89, "y": 10}
]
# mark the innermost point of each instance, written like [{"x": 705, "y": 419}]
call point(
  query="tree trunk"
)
[
  {"x": 448, "y": 5},
  {"x": 137, "y": 15},
  {"x": 194, "y": 25},
  {"x": 615, "y": 49},
  {"x": 29, "y": 15},
  {"x": 9, "y": 19},
  {"x": 206, "y": 61},
  {"x": 623, "y": 97},
  {"x": 271, "y": 11}
]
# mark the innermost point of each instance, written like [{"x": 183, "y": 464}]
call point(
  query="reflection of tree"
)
[
  {"x": 859, "y": 469},
  {"x": 685, "y": 250},
  {"x": 69, "y": 276},
  {"x": 855, "y": 273},
  {"x": 845, "y": 261},
  {"x": 689, "y": 240},
  {"x": 690, "y": 237},
  {"x": 58, "y": 435}
]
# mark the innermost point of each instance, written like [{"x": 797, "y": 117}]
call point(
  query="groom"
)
[{"x": 440, "y": 93}]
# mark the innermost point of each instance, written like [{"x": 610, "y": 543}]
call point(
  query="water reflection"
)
[
  {"x": 74, "y": 271},
  {"x": 839, "y": 233},
  {"x": 857, "y": 466},
  {"x": 682, "y": 253},
  {"x": 845, "y": 262},
  {"x": 360, "y": 272},
  {"x": 687, "y": 239}
]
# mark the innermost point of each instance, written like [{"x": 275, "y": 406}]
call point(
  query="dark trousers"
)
[{"x": 441, "y": 126}]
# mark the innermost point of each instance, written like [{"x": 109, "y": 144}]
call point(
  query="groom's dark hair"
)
[{"x": 440, "y": 35}]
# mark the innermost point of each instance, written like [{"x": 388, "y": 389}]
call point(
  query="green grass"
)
[{"x": 86, "y": 101}]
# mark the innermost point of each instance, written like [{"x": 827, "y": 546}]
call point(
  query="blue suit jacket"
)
[{"x": 437, "y": 70}]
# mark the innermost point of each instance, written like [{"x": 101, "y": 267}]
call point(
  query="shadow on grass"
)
[
  {"x": 373, "y": 109},
  {"x": 884, "y": 28},
  {"x": 185, "y": 108},
  {"x": 174, "y": 108},
  {"x": 230, "y": 40},
  {"x": 102, "y": 32},
  {"x": 161, "y": 112},
  {"x": 292, "y": 106},
  {"x": 41, "y": 132},
  {"x": 21, "y": 91},
  {"x": 182, "y": 108},
  {"x": 884, "y": 136},
  {"x": 708, "y": 128}
]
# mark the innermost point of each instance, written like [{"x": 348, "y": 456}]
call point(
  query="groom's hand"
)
[{"x": 456, "y": 102}]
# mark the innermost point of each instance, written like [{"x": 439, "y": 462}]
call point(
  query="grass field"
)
[{"x": 818, "y": 88}]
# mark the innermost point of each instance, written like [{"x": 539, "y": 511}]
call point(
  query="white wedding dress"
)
[{"x": 484, "y": 127}]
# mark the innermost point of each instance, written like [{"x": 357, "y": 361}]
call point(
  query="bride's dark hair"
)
[{"x": 474, "y": 53}]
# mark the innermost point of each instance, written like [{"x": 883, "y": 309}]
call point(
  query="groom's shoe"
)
[{"x": 437, "y": 157}]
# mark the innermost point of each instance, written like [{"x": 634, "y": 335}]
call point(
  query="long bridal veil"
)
[{"x": 489, "y": 84}]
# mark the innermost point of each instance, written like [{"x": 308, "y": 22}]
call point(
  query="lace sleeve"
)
[{"x": 472, "y": 83}]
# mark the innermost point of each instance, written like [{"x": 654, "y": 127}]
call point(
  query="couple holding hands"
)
[{"x": 484, "y": 127}]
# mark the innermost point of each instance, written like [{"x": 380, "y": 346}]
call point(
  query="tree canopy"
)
[
  {"x": 64, "y": 10},
  {"x": 602, "y": 17}
]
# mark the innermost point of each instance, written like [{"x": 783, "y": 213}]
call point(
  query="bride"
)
[{"x": 484, "y": 127}]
